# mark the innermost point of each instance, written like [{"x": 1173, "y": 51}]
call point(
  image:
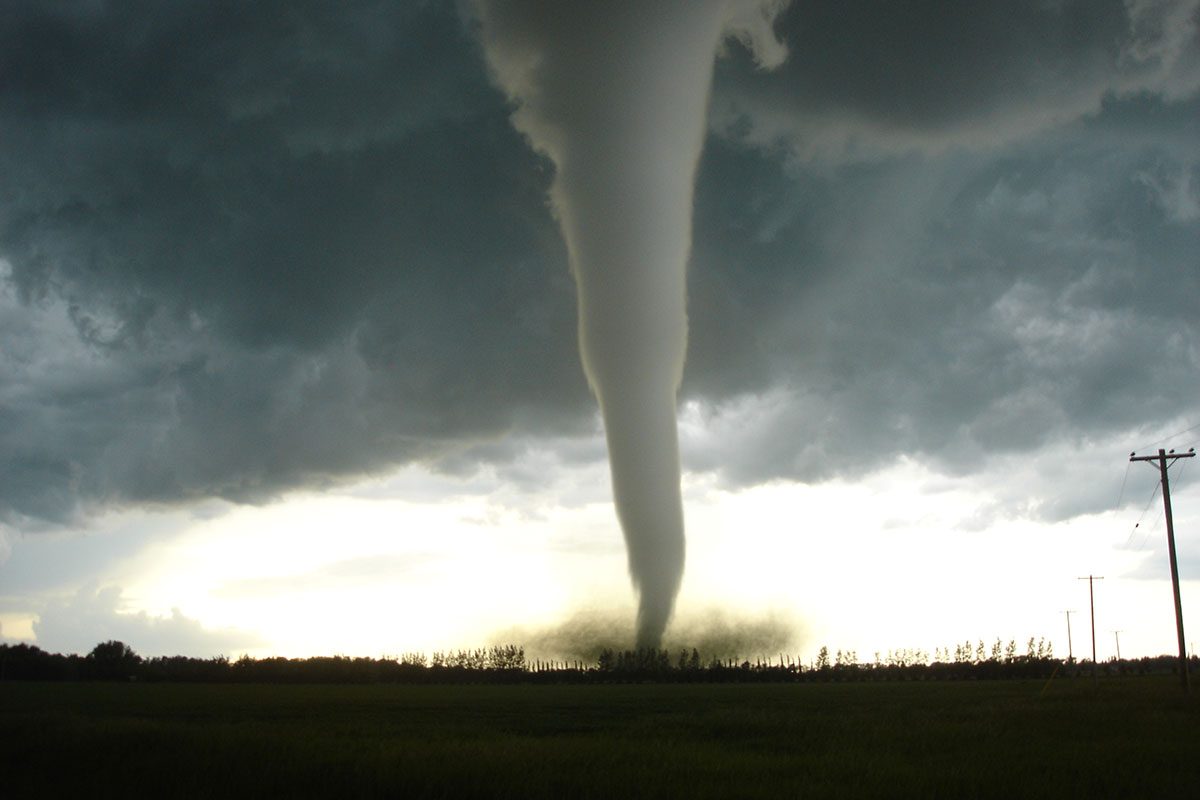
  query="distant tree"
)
[
  {"x": 470, "y": 659},
  {"x": 997, "y": 649},
  {"x": 1010, "y": 651},
  {"x": 412, "y": 660},
  {"x": 28, "y": 662},
  {"x": 112, "y": 661},
  {"x": 508, "y": 657},
  {"x": 823, "y": 658},
  {"x": 1043, "y": 650}
]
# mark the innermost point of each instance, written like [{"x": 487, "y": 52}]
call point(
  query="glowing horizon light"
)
[{"x": 358, "y": 573}]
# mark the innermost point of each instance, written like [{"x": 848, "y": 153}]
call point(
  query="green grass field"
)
[{"x": 1125, "y": 738}]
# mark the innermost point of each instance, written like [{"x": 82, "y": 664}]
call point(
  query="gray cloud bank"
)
[
  {"x": 78, "y": 624},
  {"x": 247, "y": 249}
]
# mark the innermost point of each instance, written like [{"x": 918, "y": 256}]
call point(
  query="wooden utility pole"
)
[
  {"x": 1162, "y": 458},
  {"x": 1070, "y": 650},
  {"x": 1118, "y": 635},
  {"x": 1092, "y": 603}
]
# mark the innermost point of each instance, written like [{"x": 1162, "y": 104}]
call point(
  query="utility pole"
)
[
  {"x": 1162, "y": 458},
  {"x": 1092, "y": 603},
  {"x": 1070, "y": 649},
  {"x": 1118, "y": 635}
]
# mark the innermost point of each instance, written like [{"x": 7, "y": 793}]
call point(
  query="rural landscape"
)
[
  {"x": 565, "y": 399},
  {"x": 485, "y": 723}
]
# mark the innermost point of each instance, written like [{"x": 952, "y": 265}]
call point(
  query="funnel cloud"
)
[{"x": 616, "y": 95}]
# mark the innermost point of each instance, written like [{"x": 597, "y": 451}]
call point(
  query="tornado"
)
[{"x": 615, "y": 93}]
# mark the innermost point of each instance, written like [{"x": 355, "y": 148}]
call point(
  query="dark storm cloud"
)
[
  {"x": 256, "y": 246},
  {"x": 955, "y": 307},
  {"x": 866, "y": 78},
  {"x": 246, "y": 248},
  {"x": 960, "y": 232}
]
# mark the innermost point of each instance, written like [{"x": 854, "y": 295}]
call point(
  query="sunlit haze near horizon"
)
[{"x": 290, "y": 345}]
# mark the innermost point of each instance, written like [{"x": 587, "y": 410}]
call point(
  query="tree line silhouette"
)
[{"x": 116, "y": 661}]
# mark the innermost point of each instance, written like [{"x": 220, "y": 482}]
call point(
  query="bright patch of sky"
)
[
  {"x": 895, "y": 560},
  {"x": 289, "y": 351}
]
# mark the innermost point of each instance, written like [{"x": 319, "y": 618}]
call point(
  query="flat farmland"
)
[{"x": 1135, "y": 737}]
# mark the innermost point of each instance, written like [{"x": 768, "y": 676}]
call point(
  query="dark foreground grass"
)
[{"x": 1126, "y": 738}]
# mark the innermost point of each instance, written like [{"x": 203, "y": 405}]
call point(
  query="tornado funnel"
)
[{"x": 616, "y": 94}]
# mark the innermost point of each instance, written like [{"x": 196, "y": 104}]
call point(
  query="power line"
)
[
  {"x": 1146, "y": 531},
  {"x": 1121, "y": 494},
  {"x": 1153, "y": 527},
  {"x": 1153, "y": 494},
  {"x": 1169, "y": 438},
  {"x": 1145, "y": 511},
  {"x": 1163, "y": 458},
  {"x": 1181, "y": 467}
]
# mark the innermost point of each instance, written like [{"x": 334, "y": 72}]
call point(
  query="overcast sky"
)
[{"x": 254, "y": 253}]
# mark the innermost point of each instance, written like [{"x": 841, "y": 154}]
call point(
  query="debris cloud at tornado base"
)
[
  {"x": 615, "y": 93},
  {"x": 714, "y": 632}
]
